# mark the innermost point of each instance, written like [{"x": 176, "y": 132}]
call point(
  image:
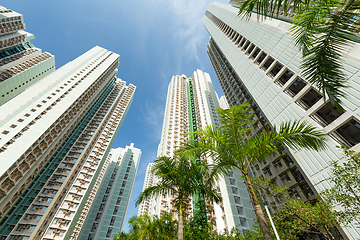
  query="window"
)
[
  {"x": 246, "y": 45},
  {"x": 288, "y": 161},
  {"x": 268, "y": 171},
  {"x": 348, "y": 134},
  {"x": 240, "y": 210},
  {"x": 295, "y": 87},
  {"x": 112, "y": 221},
  {"x": 251, "y": 48},
  {"x": 307, "y": 190},
  {"x": 108, "y": 233},
  {"x": 232, "y": 181},
  {"x": 309, "y": 99},
  {"x": 98, "y": 216},
  {"x": 94, "y": 226},
  {"x": 237, "y": 200},
  {"x": 31, "y": 228},
  {"x": 297, "y": 175},
  {"x": 327, "y": 114},
  {"x": 19, "y": 228},
  {"x": 267, "y": 64},
  {"x": 279, "y": 164},
  {"x": 116, "y": 209},
  {"x": 234, "y": 190},
  {"x": 276, "y": 69},
  {"x": 256, "y": 52},
  {"x": 284, "y": 78},
  {"x": 101, "y": 207},
  {"x": 242, "y": 42},
  {"x": 286, "y": 177}
]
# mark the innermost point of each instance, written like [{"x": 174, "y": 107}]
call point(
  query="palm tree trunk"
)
[
  {"x": 181, "y": 225},
  {"x": 258, "y": 211}
]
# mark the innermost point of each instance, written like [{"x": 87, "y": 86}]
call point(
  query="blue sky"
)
[{"x": 156, "y": 39}]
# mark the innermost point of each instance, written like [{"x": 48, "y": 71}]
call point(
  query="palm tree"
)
[
  {"x": 230, "y": 147},
  {"x": 322, "y": 29},
  {"x": 179, "y": 177}
]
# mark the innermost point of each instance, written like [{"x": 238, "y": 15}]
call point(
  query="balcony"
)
[
  {"x": 23, "y": 167},
  {"x": 7, "y": 184},
  {"x": 44, "y": 200},
  {"x": 49, "y": 192},
  {"x": 15, "y": 175}
]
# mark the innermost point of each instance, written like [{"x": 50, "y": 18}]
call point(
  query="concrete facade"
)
[
  {"x": 258, "y": 61},
  {"x": 55, "y": 139},
  {"x": 236, "y": 209},
  {"x": 21, "y": 63}
]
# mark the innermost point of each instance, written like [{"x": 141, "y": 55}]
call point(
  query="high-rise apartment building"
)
[
  {"x": 107, "y": 213},
  {"x": 54, "y": 143},
  {"x": 148, "y": 182},
  {"x": 191, "y": 104},
  {"x": 21, "y": 64},
  {"x": 258, "y": 62}
]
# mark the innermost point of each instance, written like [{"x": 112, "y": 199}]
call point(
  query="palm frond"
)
[
  {"x": 302, "y": 134},
  {"x": 269, "y": 8},
  {"x": 323, "y": 32},
  {"x": 293, "y": 134},
  {"x": 322, "y": 29}
]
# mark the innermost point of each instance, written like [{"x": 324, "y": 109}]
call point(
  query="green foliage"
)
[
  {"x": 346, "y": 189},
  {"x": 180, "y": 177},
  {"x": 152, "y": 228},
  {"x": 231, "y": 146},
  {"x": 146, "y": 227},
  {"x": 294, "y": 218},
  {"x": 322, "y": 30}
]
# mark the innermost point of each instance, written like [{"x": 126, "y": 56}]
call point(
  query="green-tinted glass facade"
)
[{"x": 107, "y": 213}]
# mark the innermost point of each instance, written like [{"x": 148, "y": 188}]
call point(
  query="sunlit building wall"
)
[
  {"x": 148, "y": 182},
  {"x": 21, "y": 64},
  {"x": 258, "y": 61},
  {"x": 55, "y": 139},
  {"x": 236, "y": 209}
]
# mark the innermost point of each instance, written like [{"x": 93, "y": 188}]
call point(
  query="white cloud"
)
[{"x": 183, "y": 18}]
